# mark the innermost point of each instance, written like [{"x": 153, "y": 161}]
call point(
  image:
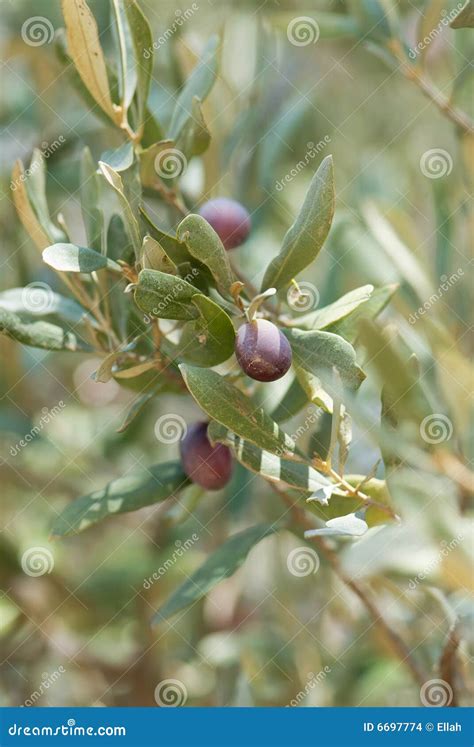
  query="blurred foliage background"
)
[{"x": 261, "y": 636}]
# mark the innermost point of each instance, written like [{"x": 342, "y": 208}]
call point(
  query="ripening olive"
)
[
  {"x": 206, "y": 465},
  {"x": 229, "y": 219},
  {"x": 262, "y": 351}
]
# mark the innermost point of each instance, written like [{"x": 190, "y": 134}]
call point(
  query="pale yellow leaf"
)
[{"x": 25, "y": 211}]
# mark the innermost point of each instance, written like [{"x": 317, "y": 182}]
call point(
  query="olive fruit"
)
[
  {"x": 206, "y": 465},
  {"x": 229, "y": 219},
  {"x": 262, "y": 351}
]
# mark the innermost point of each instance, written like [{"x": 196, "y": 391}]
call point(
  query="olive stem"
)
[{"x": 257, "y": 302}]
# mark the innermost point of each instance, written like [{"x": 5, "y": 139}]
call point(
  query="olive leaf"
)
[
  {"x": 306, "y": 236},
  {"x": 127, "y": 78},
  {"x": 119, "y": 159},
  {"x": 204, "y": 244},
  {"x": 115, "y": 181},
  {"x": 154, "y": 257},
  {"x": 165, "y": 296},
  {"x": 86, "y": 52},
  {"x": 218, "y": 566},
  {"x": 198, "y": 85},
  {"x": 36, "y": 300},
  {"x": 72, "y": 258},
  {"x": 271, "y": 467},
  {"x": 350, "y": 525},
  {"x": 194, "y": 138},
  {"x": 173, "y": 247},
  {"x": 349, "y": 326},
  {"x": 142, "y": 40},
  {"x": 36, "y": 189},
  {"x": 226, "y": 404},
  {"x": 210, "y": 339},
  {"x": 92, "y": 214},
  {"x": 24, "y": 209},
  {"x": 465, "y": 18},
  {"x": 334, "y": 312},
  {"x": 294, "y": 399},
  {"x": 39, "y": 334},
  {"x": 318, "y": 352},
  {"x": 127, "y": 493}
]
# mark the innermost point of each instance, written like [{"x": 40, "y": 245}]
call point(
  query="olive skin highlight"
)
[
  {"x": 206, "y": 465},
  {"x": 263, "y": 352}
]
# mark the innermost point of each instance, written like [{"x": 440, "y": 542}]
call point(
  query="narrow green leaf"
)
[
  {"x": 174, "y": 248},
  {"x": 210, "y": 339},
  {"x": 92, "y": 214},
  {"x": 198, "y": 85},
  {"x": 334, "y": 312},
  {"x": 36, "y": 189},
  {"x": 342, "y": 526},
  {"x": 204, "y": 244},
  {"x": 349, "y": 326},
  {"x": 271, "y": 467},
  {"x": 195, "y": 137},
  {"x": 115, "y": 181},
  {"x": 36, "y": 300},
  {"x": 142, "y": 39},
  {"x": 227, "y": 405},
  {"x": 292, "y": 402},
  {"x": 119, "y": 159},
  {"x": 72, "y": 258},
  {"x": 318, "y": 352},
  {"x": 306, "y": 236},
  {"x": 38, "y": 334},
  {"x": 165, "y": 296},
  {"x": 465, "y": 18},
  {"x": 218, "y": 566},
  {"x": 128, "y": 74},
  {"x": 127, "y": 493}
]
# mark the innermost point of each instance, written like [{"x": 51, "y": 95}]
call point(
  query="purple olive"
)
[
  {"x": 229, "y": 219},
  {"x": 206, "y": 465},
  {"x": 262, "y": 350}
]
